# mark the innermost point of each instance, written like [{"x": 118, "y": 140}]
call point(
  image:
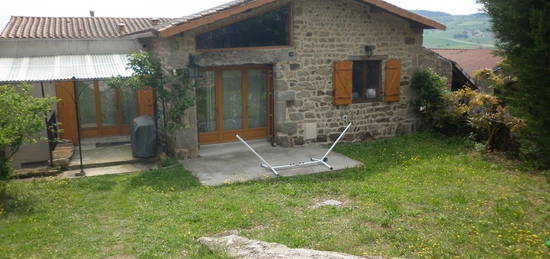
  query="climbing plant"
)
[{"x": 173, "y": 88}]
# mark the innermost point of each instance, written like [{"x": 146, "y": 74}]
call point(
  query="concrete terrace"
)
[{"x": 232, "y": 162}]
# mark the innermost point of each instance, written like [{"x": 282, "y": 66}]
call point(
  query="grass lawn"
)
[{"x": 419, "y": 196}]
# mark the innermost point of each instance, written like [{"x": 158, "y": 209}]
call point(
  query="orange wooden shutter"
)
[
  {"x": 392, "y": 85},
  {"x": 146, "y": 102},
  {"x": 342, "y": 81}
]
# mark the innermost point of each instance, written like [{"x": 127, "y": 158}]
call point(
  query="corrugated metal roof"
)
[
  {"x": 54, "y": 68},
  {"x": 26, "y": 27}
]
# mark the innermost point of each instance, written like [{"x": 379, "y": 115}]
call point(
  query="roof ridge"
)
[
  {"x": 182, "y": 24},
  {"x": 72, "y": 17},
  {"x": 85, "y": 27},
  {"x": 458, "y": 49}
]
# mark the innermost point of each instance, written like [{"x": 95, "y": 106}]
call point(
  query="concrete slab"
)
[
  {"x": 103, "y": 156},
  {"x": 216, "y": 166},
  {"x": 109, "y": 170}
]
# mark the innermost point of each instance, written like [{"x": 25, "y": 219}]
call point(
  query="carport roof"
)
[{"x": 56, "y": 68}]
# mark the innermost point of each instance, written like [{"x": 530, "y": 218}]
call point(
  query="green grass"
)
[{"x": 416, "y": 196}]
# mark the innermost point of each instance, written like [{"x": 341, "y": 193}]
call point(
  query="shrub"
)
[
  {"x": 431, "y": 104},
  {"x": 522, "y": 30},
  {"x": 466, "y": 112},
  {"x": 21, "y": 119},
  {"x": 489, "y": 120}
]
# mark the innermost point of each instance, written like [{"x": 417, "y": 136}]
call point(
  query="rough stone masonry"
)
[{"x": 240, "y": 247}]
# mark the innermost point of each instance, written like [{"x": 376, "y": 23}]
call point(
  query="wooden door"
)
[
  {"x": 234, "y": 100},
  {"x": 66, "y": 110},
  {"x": 104, "y": 111}
]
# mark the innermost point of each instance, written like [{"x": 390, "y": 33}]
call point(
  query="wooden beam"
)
[
  {"x": 219, "y": 15},
  {"x": 406, "y": 14},
  {"x": 175, "y": 29}
]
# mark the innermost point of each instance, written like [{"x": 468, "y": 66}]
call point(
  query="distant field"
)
[{"x": 463, "y": 31}]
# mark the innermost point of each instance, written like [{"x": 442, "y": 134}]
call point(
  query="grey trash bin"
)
[{"x": 144, "y": 137}]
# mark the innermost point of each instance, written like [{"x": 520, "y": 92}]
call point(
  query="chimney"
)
[
  {"x": 121, "y": 28},
  {"x": 92, "y": 13},
  {"x": 155, "y": 21}
]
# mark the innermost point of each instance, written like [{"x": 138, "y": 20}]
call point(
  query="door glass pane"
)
[
  {"x": 257, "y": 99},
  {"x": 206, "y": 102},
  {"x": 108, "y": 105},
  {"x": 129, "y": 105},
  {"x": 86, "y": 104},
  {"x": 232, "y": 100}
]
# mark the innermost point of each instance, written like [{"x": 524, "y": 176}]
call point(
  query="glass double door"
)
[
  {"x": 103, "y": 110},
  {"x": 234, "y": 100}
]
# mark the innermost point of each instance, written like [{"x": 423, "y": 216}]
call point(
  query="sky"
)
[{"x": 176, "y": 8}]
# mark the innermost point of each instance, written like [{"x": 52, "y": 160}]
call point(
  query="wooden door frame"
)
[
  {"x": 221, "y": 135},
  {"x": 100, "y": 130},
  {"x": 67, "y": 112}
]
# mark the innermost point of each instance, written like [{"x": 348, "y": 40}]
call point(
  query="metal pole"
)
[
  {"x": 47, "y": 129},
  {"x": 76, "y": 99},
  {"x": 336, "y": 142},
  {"x": 260, "y": 157},
  {"x": 313, "y": 161}
]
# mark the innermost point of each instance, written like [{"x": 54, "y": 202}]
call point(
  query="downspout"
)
[
  {"x": 50, "y": 151},
  {"x": 272, "y": 104}
]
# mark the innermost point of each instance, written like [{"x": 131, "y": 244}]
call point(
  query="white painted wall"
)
[{"x": 35, "y": 47}]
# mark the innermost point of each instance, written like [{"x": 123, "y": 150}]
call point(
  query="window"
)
[
  {"x": 267, "y": 29},
  {"x": 367, "y": 78}
]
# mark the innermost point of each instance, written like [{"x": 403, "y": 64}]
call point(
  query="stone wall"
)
[
  {"x": 440, "y": 65},
  {"x": 174, "y": 53},
  {"x": 323, "y": 32},
  {"x": 330, "y": 31}
]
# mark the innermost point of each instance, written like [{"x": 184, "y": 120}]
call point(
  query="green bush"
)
[
  {"x": 522, "y": 31},
  {"x": 432, "y": 105},
  {"x": 21, "y": 119},
  {"x": 465, "y": 112}
]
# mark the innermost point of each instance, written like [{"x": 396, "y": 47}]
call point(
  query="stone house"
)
[
  {"x": 287, "y": 71},
  {"x": 296, "y": 71}
]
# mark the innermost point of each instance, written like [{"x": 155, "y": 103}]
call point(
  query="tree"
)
[
  {"x": 173, "y": 88},
  {"x": 523, "y": 38},
  {"x": 22, "y": 117}
]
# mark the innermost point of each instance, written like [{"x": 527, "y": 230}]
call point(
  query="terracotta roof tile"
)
[
  {"x": 23, "y": 27},
  {"x": 471, "y": 60}
]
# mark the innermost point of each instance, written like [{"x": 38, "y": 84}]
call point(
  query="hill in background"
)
[{"x": 463, "y": 31}]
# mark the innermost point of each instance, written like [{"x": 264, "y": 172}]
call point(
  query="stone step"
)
[
  {"x": 76, "y": 165},
  {"x": 111, "y": 170}
]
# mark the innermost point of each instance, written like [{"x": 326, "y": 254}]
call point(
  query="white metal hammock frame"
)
[{"x": 323, "y": 160}]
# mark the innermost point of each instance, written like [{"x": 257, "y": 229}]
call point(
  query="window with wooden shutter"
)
[
  {"x": 342, "y": 81},
  {"x": 367, "y": 81},
  {"x": 392, "y": 85}
]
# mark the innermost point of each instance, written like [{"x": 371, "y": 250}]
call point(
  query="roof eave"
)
[
  {"x": 149, "y": 33},
  {"x": 177, "y": 28},
  {"x": 174, "y": 29},
  {"x": 428, "y": 23}
]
